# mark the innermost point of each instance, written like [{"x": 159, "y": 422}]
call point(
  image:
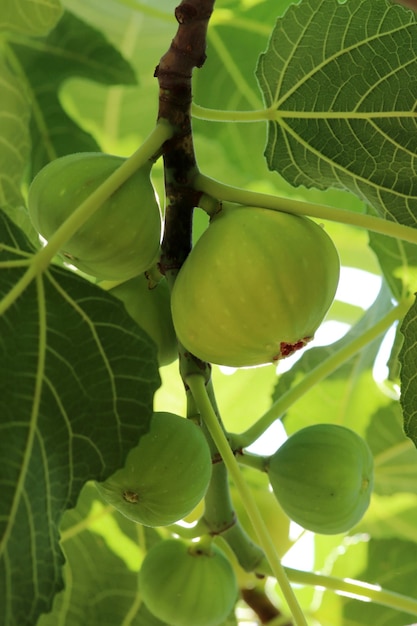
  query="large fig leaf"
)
[
  {"x": 77, "y": 378},
  {"x": 339, "y": 80},
  {"x": 103, "y": 554},
  {"x": 72, "y": 48}
]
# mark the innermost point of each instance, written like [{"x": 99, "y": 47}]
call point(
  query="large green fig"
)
[
  {"x": 122, "y": 238},
  {"x": 322, "y": 476},
  {"x": 255, "y": 287},
  {"x": 151, "y": 309},
  {"x": 188, "y": 585},
  {"x": 164, "y": 476}
]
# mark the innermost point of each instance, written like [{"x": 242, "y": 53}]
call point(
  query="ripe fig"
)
[
  {"x": 151, "y": 310},
  {"x": 322, "y": 476},
  {"x": 164, "y": 476},
  {"x": 122, "y": 238},
  {"x": 186, "y": 584},
  {"x": 255, "y": 287}
]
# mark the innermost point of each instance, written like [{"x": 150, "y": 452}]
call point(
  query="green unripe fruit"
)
[
  {"x": 185, "y": 585},
  {"x": 255, "y": 287},
  {"x": 322, "y": 476},
  {"x": 122, "y": 238},
  {"x": 165, "y": 476},
  {"x": 151, "y": 310}
]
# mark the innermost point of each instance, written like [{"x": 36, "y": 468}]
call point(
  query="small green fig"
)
[
  {"x": 122, "y": 238},
  {"x": 322, "y": 476},
  {"x": 187, "y": 584},
  {"x": 255, "y": 287},
  {"x": 164, "y": 476},
  {"x": 150, "y": 307}
]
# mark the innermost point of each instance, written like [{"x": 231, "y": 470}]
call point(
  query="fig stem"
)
[
  {"x": 317, "y": 374},
  {"x": 39, "y": 262},
  {"x": 198, "y": 388},
  {"x": 272, "y": 113},
  {"x": 228, "y": 193},
  {"x": 219, "y": 518}
]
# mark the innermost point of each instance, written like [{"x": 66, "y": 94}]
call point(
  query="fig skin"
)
[
  {"x": 322, "y": 476},
  {"x": 165, "y": 476},
  {"x": 151, "y": 310},
  {"x": 184, "y": 585},
  {"x": 255, "y": 287},
  {"x": 122, "y": 238}
]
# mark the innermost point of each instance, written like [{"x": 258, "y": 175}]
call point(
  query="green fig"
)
[
  {"x": 122, "y": 238},
  {"x": 150, "y": 307},
  {"x": 255, "y": 287},
  {"x": 187, "y": 584},
  {"x": 165, "y": 476},
  {"x": 322, "y": 476}
]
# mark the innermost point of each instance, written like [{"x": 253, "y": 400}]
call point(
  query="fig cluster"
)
[
  {"x": 165, "y": 476},
  {"x": 186, "y": 584},
  {"x": 322, "y": 476},
  {"x": 255, "y": 287}
]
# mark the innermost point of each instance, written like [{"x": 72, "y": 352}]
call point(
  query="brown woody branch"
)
[
  {"x": 262, "y": 606},
  {"x": 174, "y": 73}
]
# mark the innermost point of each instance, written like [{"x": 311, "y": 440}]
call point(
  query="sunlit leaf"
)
[
  {"x": 390, "y": 517},
  {"x": 73, "y": 48},
  {"x": 392, "y": 565},
  {"x": 31, "y": 17},
  {"x": 395, "y": 456},
  {"x": 398, "y": 261}
]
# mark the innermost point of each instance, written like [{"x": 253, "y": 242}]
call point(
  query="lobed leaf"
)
[
  {"x": 77, "y": 378},
  {"x": 340, "y": 81}
]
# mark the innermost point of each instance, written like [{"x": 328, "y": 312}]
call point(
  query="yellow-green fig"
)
[
  {"x": 185, "y": 584},
  {"x": 255, "y": 287},
  {"x": 165, "y": 476},
  {"x": 122, "y": 238},
  {"x": 322, "y": 476}
]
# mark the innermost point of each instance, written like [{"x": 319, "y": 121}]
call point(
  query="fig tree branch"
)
[{"x": 174, "y": 73}]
